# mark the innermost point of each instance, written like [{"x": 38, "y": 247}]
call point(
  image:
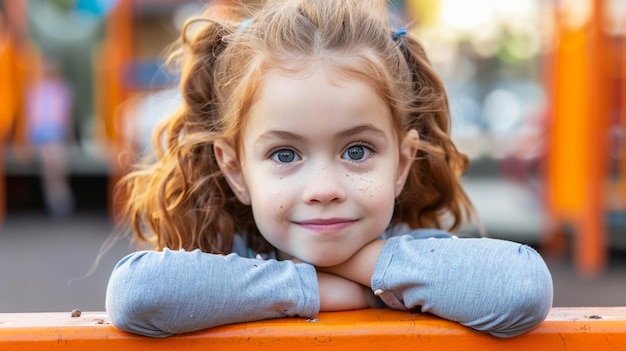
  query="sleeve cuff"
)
[
  {"x": 310, "y": 291},
  {"x": 378, "y": 286}
]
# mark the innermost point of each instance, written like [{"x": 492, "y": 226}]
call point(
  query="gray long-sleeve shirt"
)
[{"x": 490, "y": 285}]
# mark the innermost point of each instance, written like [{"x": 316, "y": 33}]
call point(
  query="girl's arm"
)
[
  {"x": 496, "y": 286},
  {"x": 340, "y": 294},
  {"x": 170, "y": 292}
]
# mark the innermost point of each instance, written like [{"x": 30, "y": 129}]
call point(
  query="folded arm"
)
[
  {"x": 164, "y": 293},
  {"x": 490, "y": 285}
]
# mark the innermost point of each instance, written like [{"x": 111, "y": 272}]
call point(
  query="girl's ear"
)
[
  {"x": 408, "y": 150},
  {"x": 230, "y": 166}
]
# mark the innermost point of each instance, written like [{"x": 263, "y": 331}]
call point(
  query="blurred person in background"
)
[{"x": 49, "y": 101}]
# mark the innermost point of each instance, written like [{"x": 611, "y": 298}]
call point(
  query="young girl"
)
[{"x": 309, "y": 164}]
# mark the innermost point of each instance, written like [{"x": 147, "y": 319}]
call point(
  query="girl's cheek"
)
[
  {"x": 380, "y": 196},
  {"x": 371, "y": 186},
  {"x": 278, "y": 195}
]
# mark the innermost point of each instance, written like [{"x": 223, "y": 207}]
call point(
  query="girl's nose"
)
[{"x": 323, "y": 185}]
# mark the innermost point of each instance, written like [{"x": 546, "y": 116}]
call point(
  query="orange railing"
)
[{"x": 570, "y": 329}]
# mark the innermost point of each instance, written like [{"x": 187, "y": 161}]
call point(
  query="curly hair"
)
[{"x": 180, "y": 199}]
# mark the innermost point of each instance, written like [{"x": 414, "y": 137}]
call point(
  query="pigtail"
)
[
  {"x": 433, "y": 195},
  {"x": 182, "y": 200}
]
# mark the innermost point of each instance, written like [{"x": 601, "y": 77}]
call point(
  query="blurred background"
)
[{"x": 537, "y": 90}]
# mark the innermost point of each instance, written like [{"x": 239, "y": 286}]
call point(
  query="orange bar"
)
[
  {"x": 622, "y": 146},
  {"x": 7, "y": 110},
  {"x": 573, "y": 329},
  {"x": 582, "y": 92},
  {"x": 590, "y": 246},
  {"x": 568, "y": 153}
]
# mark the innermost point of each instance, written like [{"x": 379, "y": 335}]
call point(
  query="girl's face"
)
[{"x": 321, "y": 167}]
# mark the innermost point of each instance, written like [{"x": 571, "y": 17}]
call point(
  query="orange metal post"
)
[
  {"x": 15, "y": 61},
  {"x": 578, "y": 152},
  {"x": 590, "y": 249},
  {"x": 568, "y": 156},
  {"x": 117, "y": 50},
  {"x": 7, "y": 110},
  {"x": 374, "y": 329},
  {"x": 622, "y": 109}
]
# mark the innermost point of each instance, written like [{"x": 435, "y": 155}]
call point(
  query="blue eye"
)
[
  {"x": 357, "y": 153},
  {"x": 285, "y": 156}
]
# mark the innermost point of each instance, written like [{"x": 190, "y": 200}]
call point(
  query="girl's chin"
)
[
  {"x": 322, "y": 261},
  {"x": 319, "y": 260}
]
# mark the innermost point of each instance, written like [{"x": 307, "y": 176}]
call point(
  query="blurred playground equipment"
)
[
  {"x": 585, "y": 176},
  {"x": 537, "y": 91}
]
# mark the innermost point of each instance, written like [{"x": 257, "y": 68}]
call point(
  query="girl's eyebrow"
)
[
  {"x": 293, "y": 137},
  {"x": 280, "y": 135},
  {"x": 361, "y": 129}
]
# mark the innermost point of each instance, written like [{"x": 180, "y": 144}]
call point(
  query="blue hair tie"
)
[
  {"x": 399, "y": 33},
  {"x": 244, "y": 24}
]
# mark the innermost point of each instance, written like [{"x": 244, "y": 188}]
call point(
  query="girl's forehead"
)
[
  {"x": 317, "y": 84},
  {"x": 319, "y": 101},
  {"x": 331, "y": 62},
  {"x": 303, "y": 69},
  {"x": 337, "y": 73}
]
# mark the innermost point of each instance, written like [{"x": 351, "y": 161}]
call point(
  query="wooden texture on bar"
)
[{"x": 600, "y": 328}]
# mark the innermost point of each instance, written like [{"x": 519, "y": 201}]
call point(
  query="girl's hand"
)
[
  {"x": 339, "y": 294},
  {"x": 360, "y": 267}
]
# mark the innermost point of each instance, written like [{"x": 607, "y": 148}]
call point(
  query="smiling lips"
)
[{"x": 329, "y": 225}]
